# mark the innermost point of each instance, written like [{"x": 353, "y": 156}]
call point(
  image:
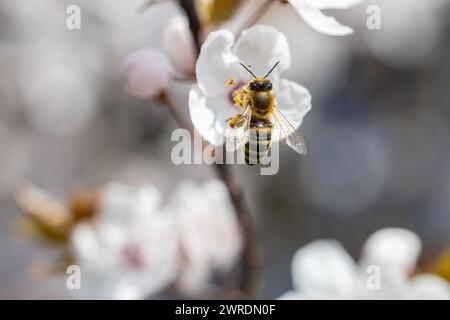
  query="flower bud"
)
[
  {"x": 148, "y": 72},
  {"x": 179, "y": 45}
]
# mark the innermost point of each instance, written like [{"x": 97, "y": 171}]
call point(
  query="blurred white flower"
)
[
  {"x": 209, "y": 233},
  {"x": 134, "y": 248},
  {"x": 428, "y": 286},
  {"x": 392, "y": 248},
  {"x": 178, "y": 44},
  {"x": 120, "y": 202},
  {"x": 148, "y": 72},
  {"x": 324, "y": 270},
  {"x": 311, "y": 12},
  {"x": 210, "y": 100},
  {"x": 129, "y": 250}
]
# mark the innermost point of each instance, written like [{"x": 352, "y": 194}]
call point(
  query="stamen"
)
[
  {"x": 231, "y": 82},
  {"x": 133, "y": 256},
  {"x": 234, "y": 94}
]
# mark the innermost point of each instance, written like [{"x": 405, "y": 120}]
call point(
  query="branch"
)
[
  {"x": 251, "y": 260},
  {"x": 194, "y": 21},
  {"x": 250, "y": 256}
]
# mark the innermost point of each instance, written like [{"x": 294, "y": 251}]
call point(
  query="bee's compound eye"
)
[
  {"x": 253, "y": 86},
  {"x": 269, "y": 86}
]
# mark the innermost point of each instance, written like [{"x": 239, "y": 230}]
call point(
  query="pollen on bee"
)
[{"x": 231, "y": 82}]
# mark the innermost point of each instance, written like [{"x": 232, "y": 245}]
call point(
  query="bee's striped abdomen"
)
[{"x": 259, "y": 141}]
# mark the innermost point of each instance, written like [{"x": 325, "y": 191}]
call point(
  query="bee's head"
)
[{"x": 260, "y": 85}]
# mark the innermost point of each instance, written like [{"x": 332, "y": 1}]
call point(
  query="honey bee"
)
[{"x": 253, "y": 128}]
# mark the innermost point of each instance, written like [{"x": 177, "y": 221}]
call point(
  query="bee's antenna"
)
[
  {"x": 271, "y": 70},
  {"x": 248, "y": 70}
]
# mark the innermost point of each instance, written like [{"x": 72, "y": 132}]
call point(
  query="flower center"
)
[
  {"x": 133, "y": 256},
  {"x": 234, "y": 93}
]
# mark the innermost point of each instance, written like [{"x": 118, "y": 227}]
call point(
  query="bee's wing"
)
[
  {"x": 237, "y": 136},
  {"x": 288, "y": 132}
]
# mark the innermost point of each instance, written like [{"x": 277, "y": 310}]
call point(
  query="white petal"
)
[
  {"x": 158, "y": 248},
  {"x": 392, "y": 284},
  {"x": 210, "y": 235},
  {"x": 96, "y": 285},
  {"x": 319, "y": 21},
  {"x": 323, "y": 270},
  {"x": 294, "y": 102},
  {"x": 179, "y": 44},
  {"x": 84, "y": 241},
  {"x": 124, "y": 204},
  {"x": 261, "y": 47},
  {"x": 127, "y": 292},
  {"x": 216, "y": 63},
  {"x": 291, "y": 295},
  {"x": 194, "y": 278},
  {"x": 333, "y": 4},
  {"x": 209, "y": 115},
  {"x": 428, "y": 286},
  {"x": 392, "y": 248},
  {"x": 88, "y": 248}
]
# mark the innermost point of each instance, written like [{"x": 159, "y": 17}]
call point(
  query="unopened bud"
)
[
  {"x": 179, "y": 45},
  {"x": 148, "y": 72}
]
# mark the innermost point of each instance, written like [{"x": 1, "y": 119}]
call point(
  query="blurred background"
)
[{"x": 378, "y": 132}]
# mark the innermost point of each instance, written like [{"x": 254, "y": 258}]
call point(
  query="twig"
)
[
  {"x": 250, "y": 256},
  {"x": 176, "y": 114}
]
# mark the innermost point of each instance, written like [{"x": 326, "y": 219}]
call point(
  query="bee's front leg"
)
[{"x": 233, "y": 121}]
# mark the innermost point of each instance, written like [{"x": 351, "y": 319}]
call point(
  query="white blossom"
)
[
  {"x": 148, "y": 72},
  {"x": 210, "y": 100},
  {"x": 324, "y": 270},
  {"x": 135, "y": 248},
  {"x": 130, "y": 249},
  {"x": 209, "y": 233},
  {"x": 178, "y": 44},
  {"x": 311, "y": 12},
  {"x": 394, "y": 248}
]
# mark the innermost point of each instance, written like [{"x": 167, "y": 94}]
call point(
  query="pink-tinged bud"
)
[
  {"x": 148, "y": 72},
  {"x": 178, "y": 43}
]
